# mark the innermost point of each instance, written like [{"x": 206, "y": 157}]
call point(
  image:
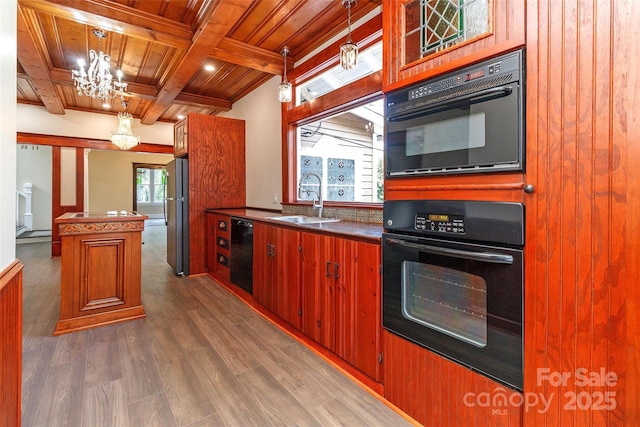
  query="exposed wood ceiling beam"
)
[
  {"x": 149, "y": 92},
  {"x": 34, "y": 64},
  {"x": 217, "y": 23},
  {"x": 246, "y": 55},
  {"x": 119, "y": 18},
  {"x": 203, "y": 101}
]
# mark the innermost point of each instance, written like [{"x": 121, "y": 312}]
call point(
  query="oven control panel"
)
[{"x": 440, "y": 223}]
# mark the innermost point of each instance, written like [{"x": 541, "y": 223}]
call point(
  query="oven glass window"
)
[
  {"x": 458, "y": 133},
  {"x": 450, "y": 301}
]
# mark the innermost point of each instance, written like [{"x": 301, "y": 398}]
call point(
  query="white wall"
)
[
  {"x": 36, "y": 119},
  {"x": 8, "y": 60},
  {"x": 34, "y": 166},
  {"x": 262, "y": 113}
]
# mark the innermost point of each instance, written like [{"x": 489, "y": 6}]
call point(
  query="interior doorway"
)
[{"x": 149, "y": 187}]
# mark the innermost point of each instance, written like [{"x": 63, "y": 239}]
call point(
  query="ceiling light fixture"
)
[
  {"x": 124, "y": 138},
  {"x": 97, "y": 81},
  {"x": 348, "y": 49},
  {"x": 285, "y": 91}
]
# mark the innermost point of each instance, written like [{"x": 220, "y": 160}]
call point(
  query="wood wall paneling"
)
[
  {"x": 437, "y": 392},
  {"x": 578, "y": 107},
  {"x": 626, "y": 128},
  {"x": 11, "y": 344}
]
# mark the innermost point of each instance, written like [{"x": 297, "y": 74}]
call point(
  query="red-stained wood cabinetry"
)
[
  {"x": 218, "y": 245},
  {"x": 341, "y": 298},
  {"x": 101, "y": 270},
  {"x": 506, "y": 31},
  {"x": 217, "y": 178},
  {"x": 276, "y": 271},
  {"x": 581, "y": 303}
]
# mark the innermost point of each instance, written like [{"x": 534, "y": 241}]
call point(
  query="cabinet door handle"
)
[
  {"x": 273, "y": 250},
  {"x": 328, "y": 266},
  {"x": 269, "y": 253},
  {"x": 337, "y": 275}
]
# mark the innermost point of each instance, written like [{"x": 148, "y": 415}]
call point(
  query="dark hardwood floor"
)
[{"x": 201, "y": 357}]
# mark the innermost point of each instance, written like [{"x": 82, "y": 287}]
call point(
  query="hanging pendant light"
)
[
  {"x": 285, "y": 91},
  {"x": 124, "y": 138},
  {"x": 348, "y": 49},
  {"x": 97, "y": 81}
]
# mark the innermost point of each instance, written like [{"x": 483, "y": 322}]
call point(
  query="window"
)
[
  {"x": 345, "y": 152},
  {"x": 369, "y": 61},
  {"x": 150, "y": 185},
  {"x": 337, "y": 130}
]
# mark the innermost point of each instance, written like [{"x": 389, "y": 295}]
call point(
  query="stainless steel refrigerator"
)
[{"x": 177, "y": 198}]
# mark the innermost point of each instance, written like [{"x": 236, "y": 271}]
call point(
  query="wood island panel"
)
[{"x": 101, "y": 270}]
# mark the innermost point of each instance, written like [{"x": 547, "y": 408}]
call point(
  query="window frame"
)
[
  {"x": 137, "y": 166},
  {"x": 359, "y": 92}
]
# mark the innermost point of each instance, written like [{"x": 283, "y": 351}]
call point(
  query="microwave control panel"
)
[{"x": 440, "y": 223}]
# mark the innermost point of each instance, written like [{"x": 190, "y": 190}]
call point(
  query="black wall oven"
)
[
  {"x": 471, "y": 120},
  {"x": 453, "y": 281}
]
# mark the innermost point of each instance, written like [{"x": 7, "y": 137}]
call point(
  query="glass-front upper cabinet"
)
[
  {"x": 429, "y": 37},
  {"x": 434, "y": 25}
]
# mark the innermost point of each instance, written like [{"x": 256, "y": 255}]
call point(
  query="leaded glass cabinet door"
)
[{"x": 434, "y": 25}]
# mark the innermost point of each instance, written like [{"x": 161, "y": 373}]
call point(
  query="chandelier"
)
[
  {"x": 97, "y": 81},
  {"x": 124, "y": 138},
  {"x": 348, "y": 49},
  {"x": 285, "y": 90}
]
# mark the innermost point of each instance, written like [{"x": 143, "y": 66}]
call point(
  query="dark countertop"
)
[{"x": 342, "y": 228}]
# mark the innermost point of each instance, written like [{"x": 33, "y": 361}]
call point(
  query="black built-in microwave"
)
[{"x": 467, "y": 121}]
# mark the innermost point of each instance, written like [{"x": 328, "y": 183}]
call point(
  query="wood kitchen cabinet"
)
[
  {"x": 341, "y": 298},
  {"x": 318, "y": 288},
  {"x": 217, "y": 178},
  {"x": 276, "y": 272},
  {"x": 180, "y": 140},
  {"x": 403, "y": 59},
  {"x": 218, "y": 245}
]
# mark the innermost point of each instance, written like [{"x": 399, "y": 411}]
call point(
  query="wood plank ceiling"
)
[{"x": 163, "y": 46}]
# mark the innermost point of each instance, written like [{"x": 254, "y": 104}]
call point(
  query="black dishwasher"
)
[{"x": 242, "y": 253}]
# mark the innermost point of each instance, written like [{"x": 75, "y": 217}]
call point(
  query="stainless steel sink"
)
[{"x": 302, "y": 219}]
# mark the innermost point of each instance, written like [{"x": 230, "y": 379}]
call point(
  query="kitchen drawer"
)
[{"x": 222, "y": 242}]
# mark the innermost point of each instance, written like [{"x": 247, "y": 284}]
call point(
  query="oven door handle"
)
[
  {"x": 483, "y": 95},
  {"x": 491, "y": 257}
]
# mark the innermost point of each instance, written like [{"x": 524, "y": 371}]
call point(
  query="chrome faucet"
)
[{"x": 306, "y": 192}]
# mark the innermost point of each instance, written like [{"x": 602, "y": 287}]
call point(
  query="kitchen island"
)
[{"x": 101, "y": 269}]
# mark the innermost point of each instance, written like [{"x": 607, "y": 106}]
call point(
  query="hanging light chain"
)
[
  {"x": 349, "y": 2},
  {"x": 285, "y": 52}
]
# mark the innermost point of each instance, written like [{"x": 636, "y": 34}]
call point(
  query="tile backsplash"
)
[{"x": 364, "y": 215}]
